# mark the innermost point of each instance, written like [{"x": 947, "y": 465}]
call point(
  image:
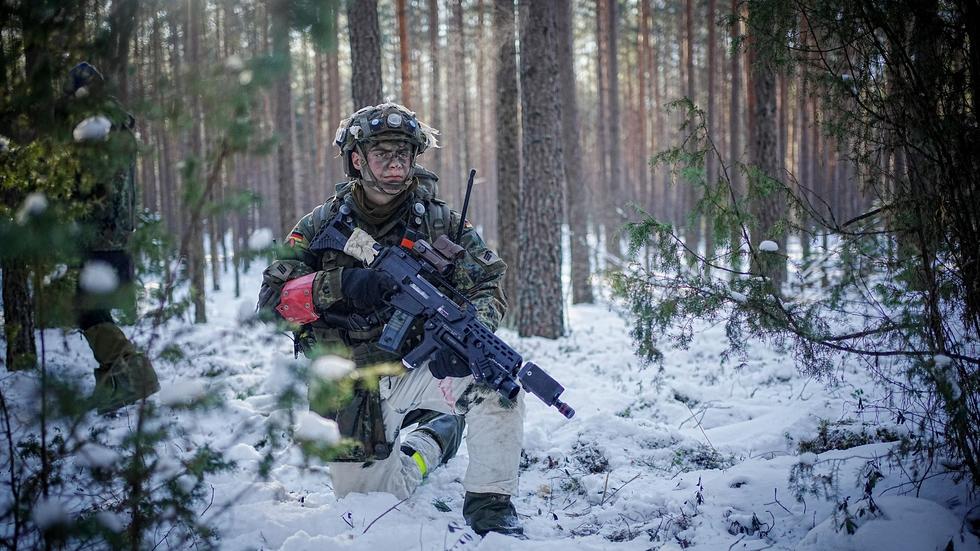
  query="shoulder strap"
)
[
  {"x": 438, "y": 218},
  {"x": 326, "y": 211}
]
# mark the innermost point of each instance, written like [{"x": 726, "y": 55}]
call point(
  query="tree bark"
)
[
  {"x": 578, "y": 196},
  {"x": 365, "y": 47},
  {"x": 507, "y": 148},
  {"x": 198, "y": 152},
  {"x": 18, "y": 315},
  {"x": 735, "y": 133},
  {"x": 405, "y": 55},
  {"x": 711, "y": 165},
  {"x": 613, "y": 220},
  {"x": 435, "y": 104},
  {"x": 540, "y": 310},
  {"x": 335, "y": 172},
  {"x": 284, "y": 118},
  {"x": 766, "y": 203}
]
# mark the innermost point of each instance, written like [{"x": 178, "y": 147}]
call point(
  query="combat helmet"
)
[
  {"x": 82, "y": 78},
  {"x": 378, "y": 123}
]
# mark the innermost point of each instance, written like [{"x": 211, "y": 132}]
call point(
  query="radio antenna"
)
[{"x": 466, "y": 205}]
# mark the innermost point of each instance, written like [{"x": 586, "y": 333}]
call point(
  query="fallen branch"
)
[
  {"x": 616, "y": 491},
  {"x": 390, "y": 509}
]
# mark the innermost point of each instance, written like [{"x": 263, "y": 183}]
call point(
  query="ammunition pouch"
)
[{"x": 362, "y": 421}]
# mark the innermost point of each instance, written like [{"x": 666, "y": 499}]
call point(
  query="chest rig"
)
[{"x": 421, "y": 217}]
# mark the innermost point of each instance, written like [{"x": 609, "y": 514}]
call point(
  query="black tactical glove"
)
[
  {"x": 446, "y": 364},
  {"x": 366, "y": 289}
]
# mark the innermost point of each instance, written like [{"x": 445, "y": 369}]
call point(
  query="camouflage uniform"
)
[
  {"x": 107, "y": 183},
  {"x": 495, "y": 425}
]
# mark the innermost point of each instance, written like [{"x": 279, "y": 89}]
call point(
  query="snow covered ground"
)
[{"x": 698, "y": 456}]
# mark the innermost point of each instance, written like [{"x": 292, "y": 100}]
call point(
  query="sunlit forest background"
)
[{"x": 802, "y": 173}]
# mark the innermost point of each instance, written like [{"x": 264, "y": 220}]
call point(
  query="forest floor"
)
[{"x": 698, "y": 455}]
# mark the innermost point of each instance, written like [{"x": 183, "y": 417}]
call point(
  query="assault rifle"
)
[{"x": 448, "y": 319}]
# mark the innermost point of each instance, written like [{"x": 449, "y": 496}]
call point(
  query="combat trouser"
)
[{"x": 495, "y": 434}]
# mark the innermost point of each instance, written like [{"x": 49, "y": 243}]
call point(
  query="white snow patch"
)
[
  {"x": 167, "y": 467},
  {"x": 260, "y": 239},
  {"x": 768, "y": 246},
  {"x": 92, "y": 129},
  {"x": 183, "y": 392},
  {"x": 234, "y": 63},
  {"x": 738, "y": 297},
  {"x": 34, "y": 205},
  {"x": 186, "y": 482},
  {"x": 246, "y": 311},
  {"x": 808, "y": 458},
  {"x": 906, "y": 524},
  {"x": 243, "y": 452},
  {"x": 50, "y": 512},
  {"x": 313, "y": 428},
  {"x": 331, "y": 368},
  {"x": 4, "y": 144},
  {"x": 245, "y": 77},
  {"x": 98, "y": 277},
  {"x": 942, "y": 360},
  {"x": 59, "y": 271},
  {"x": 96, "y": 456}
]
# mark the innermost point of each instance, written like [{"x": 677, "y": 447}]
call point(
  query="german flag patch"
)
[{"x": 295, "y": 239}]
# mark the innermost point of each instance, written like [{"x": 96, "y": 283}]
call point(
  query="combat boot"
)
[
  {"x": 492, "y": 513},
  {"x": 445, "y": 430},
  {"x": 124, "y": 375}
]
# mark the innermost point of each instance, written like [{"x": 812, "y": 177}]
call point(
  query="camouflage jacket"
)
[
  {"x": 478, "y": 276},
  {"x": 107, "y": 176}
]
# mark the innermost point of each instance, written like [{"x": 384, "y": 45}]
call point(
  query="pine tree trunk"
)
[
  {"x": 335, "y": 171},
  {"x": 195, "y": 250},
  {"x": 540, "y": 310},
  {"x": 404, "y": 49},
  {"x": 735, "y": 135},
  {"x": 284, "y": 119},
  {"x": 578, "y": 197},
  {"x": 711, "y": 165},
  {"x": 643, "y": 55},
  {"x": 602, "y": 116},
  {"x": 18, "y": 316},
  {"x": 767, "y": 208},
  {"x": 365, "y": 47},
  {"x": 614, "y": 220},
  {"x": 435, "y": 157},
  {"x": 507, "y": 148}
]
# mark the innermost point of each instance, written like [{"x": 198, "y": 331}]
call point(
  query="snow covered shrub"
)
[
  {"x": 75, "y": 483},
  {"x": 884, "y": 279},
  {"x": 701, "y": 457},
  {"x": 841, "y": 435}
]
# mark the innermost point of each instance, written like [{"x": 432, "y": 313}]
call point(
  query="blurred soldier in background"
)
[{"x": 106, "y": 149}]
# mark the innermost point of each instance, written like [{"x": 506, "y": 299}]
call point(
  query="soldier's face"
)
[{"x": 389, "y": 161}]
